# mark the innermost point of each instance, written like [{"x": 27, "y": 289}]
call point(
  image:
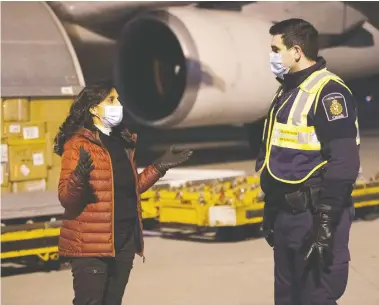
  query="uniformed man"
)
[{"x": 309, "y": 162}]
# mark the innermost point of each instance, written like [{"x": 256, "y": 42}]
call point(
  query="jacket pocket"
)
[{"x": 95, "y": 270}]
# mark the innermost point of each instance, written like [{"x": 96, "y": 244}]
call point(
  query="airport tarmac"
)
[
  {"x": 178, "y": 272},
  {"x": 191, "y": 273}
]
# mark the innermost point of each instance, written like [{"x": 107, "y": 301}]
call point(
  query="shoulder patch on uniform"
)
[{"x": 335, "y": 106}]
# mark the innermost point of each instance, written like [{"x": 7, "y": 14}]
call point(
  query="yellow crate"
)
[
  {"x": 53, "y": 178},
  {"x": 1, "y": 118},
  {"x": 49, "y": 109},
  {"x": 4, "y": 152},
  {"x": 16, "y": 110},
  {"x": 2, "y": 131},
  {"x": 6, "y": 189},
  {"x": 27, "y": 162},
  {"x": 52, "y": 129},
  {"x": 56, "y": 160},
  {"x": 24, "y": 132},
  {"x": 52, "y": 159},
  {"x": 4, "y": 175},
  {"x": 29, "y": 186}
]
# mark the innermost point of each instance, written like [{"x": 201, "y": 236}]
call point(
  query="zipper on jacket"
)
[
  {"x": 134, "y": 168},
  {"x": 113, "y": 245},
  {"x": 130, "y": 156}
]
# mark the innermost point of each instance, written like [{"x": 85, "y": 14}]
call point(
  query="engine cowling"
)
[{"x": 186, "y": 67}]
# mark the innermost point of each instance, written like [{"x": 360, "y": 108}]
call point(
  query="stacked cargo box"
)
[
  {"x": 53, "y": 113},
  {"x": 4, "y": 175},
  {"x": 28, "y": 130}
]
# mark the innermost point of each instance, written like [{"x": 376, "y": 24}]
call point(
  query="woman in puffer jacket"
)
[{"x": 100, "y": 189}]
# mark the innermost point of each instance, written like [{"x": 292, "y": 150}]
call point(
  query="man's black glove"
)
[
  {"x": 84, "y": 167},
  {"x": 267, "y": 228},
  {"x": 172, "y": 159},
  {"x": 322, "y": 241}
]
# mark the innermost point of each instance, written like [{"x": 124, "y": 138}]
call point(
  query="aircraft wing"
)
[
  {"x": 105, "y": 17},
  {"x": 368, "y": 8}
]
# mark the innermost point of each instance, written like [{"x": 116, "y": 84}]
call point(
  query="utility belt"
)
[
  {"x": 306, "y": 199},
  {"x": 300, "y": 201}
]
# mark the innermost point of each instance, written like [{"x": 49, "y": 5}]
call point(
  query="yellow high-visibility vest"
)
[{"x": 294, "y": 136}]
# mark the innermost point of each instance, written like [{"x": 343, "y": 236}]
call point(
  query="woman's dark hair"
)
[{"x": 79, "y": 115}]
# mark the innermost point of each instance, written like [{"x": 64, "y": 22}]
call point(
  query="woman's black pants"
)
[{"x": 102, "y": 281}]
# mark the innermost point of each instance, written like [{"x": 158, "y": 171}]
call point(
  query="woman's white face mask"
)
[{"x": 113, "y": 115}]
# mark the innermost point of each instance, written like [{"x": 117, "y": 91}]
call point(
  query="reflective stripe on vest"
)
[
  {"x": 295, "y": 137},
  {"x": 296, "y": 134}
]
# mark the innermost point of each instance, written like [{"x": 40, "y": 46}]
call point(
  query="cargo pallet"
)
[
  {"x": 232, "y": 207},
  {"x": 228, "y": 206}
]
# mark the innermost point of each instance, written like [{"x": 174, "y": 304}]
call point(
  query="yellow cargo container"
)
[
  {"x": 29, "y": 186},
  {"x": 24, "y": 132},
  {"x": 53, "y": 160},
  {"x": 16, "y": 110},
  {"x": 27, "y": 162},
  {"x": 1, "y": 118},
  {"x": 2, "y": 131},
  {"x": 4, "y": 175},
  {"x": 53, "y": 178},
  {"x": 4, "y": 152},
  {"x": 52, "y": 128},
  {"x": 6, "y": 189},
  {"x": 49, "y": 109}
]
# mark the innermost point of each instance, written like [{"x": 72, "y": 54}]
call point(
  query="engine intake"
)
[{"x": 191, "y": 67}]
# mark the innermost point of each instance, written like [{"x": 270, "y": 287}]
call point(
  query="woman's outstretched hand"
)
[{"x": 172, "y": 158}]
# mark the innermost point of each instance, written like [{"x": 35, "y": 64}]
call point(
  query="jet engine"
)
[{"x": 186, "y": 67}]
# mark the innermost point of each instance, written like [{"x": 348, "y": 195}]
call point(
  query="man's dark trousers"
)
[{"x": 298, "y": 282}]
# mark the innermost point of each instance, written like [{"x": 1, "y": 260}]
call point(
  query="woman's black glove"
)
[
  {"x": 84, "y": 167},
  {"x": 171, "y": 159}
]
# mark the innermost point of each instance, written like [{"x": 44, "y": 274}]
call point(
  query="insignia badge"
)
[{"x": 335, "y": 106}]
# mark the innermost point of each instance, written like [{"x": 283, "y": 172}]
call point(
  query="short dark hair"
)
[{"x": 298, "y": 32}]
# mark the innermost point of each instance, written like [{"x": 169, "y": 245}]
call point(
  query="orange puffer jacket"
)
[{"x": 88, "y": 224}]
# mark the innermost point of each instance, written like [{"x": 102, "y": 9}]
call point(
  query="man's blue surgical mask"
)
[{"x": 276, "y": 63}]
